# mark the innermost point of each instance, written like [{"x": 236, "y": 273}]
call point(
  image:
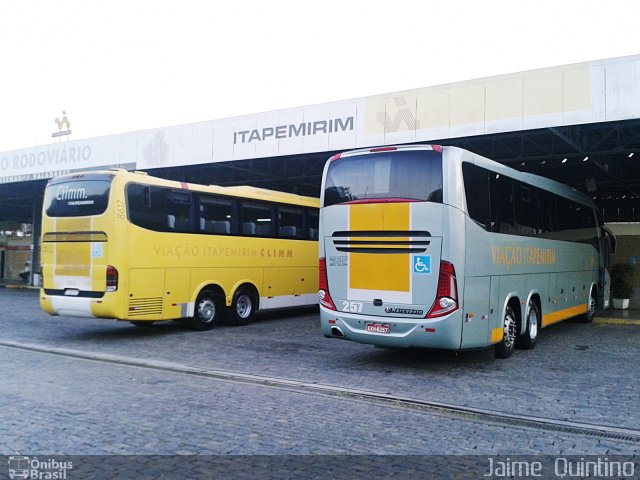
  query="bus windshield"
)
[
  {"x": 77, "y": 198},
  {"x": 408, "y": 175}
]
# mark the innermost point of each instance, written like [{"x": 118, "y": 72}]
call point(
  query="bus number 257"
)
[{"x": 353, "y": 307}]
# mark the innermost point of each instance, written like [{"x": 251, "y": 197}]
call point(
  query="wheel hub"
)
[
  {"x": 509, "y": 331},
  {"x": 244, "y": 306},
  {"x": 533, "y": 324},
  {"x": 206, "y": 310}
]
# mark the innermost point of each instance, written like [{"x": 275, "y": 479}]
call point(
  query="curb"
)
[
  {"x": 20, "y": 287},
  {"x": 617, "y": 321}
]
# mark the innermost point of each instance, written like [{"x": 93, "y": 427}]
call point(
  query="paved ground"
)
[{"x": 57, "y": 405}]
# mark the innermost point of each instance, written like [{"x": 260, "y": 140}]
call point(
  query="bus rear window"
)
[
  {"x": 409, "y": 175},
  {"x": 77, "y": 198}
]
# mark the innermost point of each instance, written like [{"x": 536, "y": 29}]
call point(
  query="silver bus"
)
[{"x": 437, "y": 247}]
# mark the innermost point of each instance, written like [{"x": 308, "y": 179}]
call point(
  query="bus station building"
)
[{"x": 578, "y": 124}]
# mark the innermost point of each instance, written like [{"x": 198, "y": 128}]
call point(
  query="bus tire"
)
[
  {"x": 530, "y": 336},
  {"x": 243, "y": 307},
  {"x": 591, "y": 308},
  {"x": 207, "y": 312},
  {"x": 142, "y": 323},
  {"x": 505, "y": 348}
]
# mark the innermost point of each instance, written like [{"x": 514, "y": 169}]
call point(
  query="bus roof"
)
[{"x": 244, "y": 191}]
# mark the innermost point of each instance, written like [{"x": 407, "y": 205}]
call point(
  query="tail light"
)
[
  {"x": 382, "y": 149},
  {"x": 112, "y": 278},
  {"x": 447, "y": 295},
  {"x": 323, "y": 284}
]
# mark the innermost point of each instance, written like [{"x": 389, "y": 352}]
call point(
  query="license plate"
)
[
  {"x": 378, "y": 328},
  {"x": 73, "y": 292}
]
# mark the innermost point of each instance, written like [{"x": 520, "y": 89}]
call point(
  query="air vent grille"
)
[
  {"x": 145, "y": 306},
  {"x": 382, "y": 241}
]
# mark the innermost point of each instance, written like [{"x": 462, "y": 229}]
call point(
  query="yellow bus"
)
[{"x": 129, "y": 246}]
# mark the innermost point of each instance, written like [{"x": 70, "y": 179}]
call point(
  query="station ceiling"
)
[{"x": 610, "y": 174}]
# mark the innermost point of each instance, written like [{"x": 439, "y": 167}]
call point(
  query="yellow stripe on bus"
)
[
  {"x": 497, "y": 334},
  {"x": 370, "y": 271},
  {"x": 560, "y": 315}
]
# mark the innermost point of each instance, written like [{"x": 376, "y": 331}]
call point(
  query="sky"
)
[{"x": 124, "y": 65}]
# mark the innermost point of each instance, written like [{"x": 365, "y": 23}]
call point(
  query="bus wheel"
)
[
  {"x": 528, "y": 339},
  {"x": 243, "y": 307},
  {"x": 141, "y": 323},
  {"x": 591, "y": 308},
  {"x": 208, "y": 311},
  {"x": 504, "y": 349}
]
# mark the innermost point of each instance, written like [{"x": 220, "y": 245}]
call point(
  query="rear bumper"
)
[
  {"x": 66, "y": 306},
  {"x": 74, "y": 306},
  {"x": 444, "y": 332}
]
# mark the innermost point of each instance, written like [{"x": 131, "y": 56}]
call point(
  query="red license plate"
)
[{"x": 378, "y": 328}]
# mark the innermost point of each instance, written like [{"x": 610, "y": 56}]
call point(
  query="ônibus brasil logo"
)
[{"x": 22, "y": 467}]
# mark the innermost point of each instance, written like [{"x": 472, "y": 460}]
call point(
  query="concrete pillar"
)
[{"x": 36, "y": 228}]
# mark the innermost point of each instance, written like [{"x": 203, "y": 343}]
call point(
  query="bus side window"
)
[
  {"x": 312, "y": 224},
  {"x": 476, "y": 188},
  {"x": 216, "y": 215},
  {"x": 526, "y": 209},
  {"x": 546, "y": 213},
  {"x": 502, "y": 214},
  {"x": 257, "y": 219},
  {"x": 290, "y": 222},
  {"x": 146, "y": 206},
  {"x": 179, "y": 211},
  {"x": 146, "y": 196}
]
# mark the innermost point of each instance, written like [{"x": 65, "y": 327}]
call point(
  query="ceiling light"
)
[
  {"x": 630, "y": 155},
  {"x": 543, "y": 162},
  {"x": 585, "y": 159},
  {"x": 564, "y": 161}
]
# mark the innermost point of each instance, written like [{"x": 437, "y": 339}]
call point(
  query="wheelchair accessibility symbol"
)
[{"x": 422, "y": 264}]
